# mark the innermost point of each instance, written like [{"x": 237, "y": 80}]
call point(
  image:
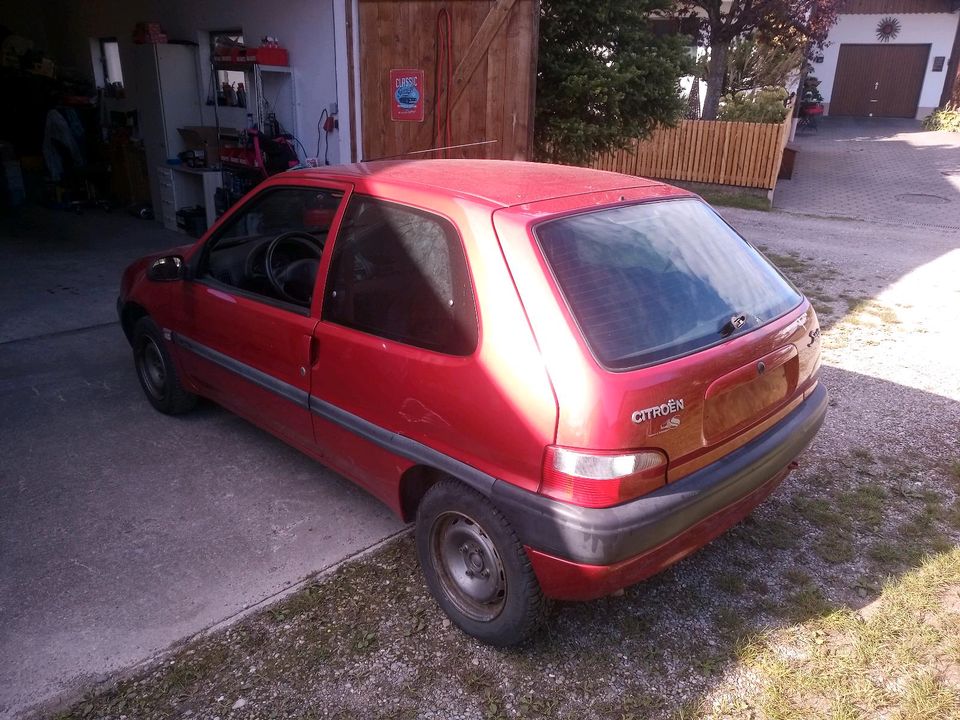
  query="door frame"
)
[{"x": 215, "y": 364}]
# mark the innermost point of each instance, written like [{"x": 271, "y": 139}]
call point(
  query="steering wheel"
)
[{"x": 294, "y": 281}]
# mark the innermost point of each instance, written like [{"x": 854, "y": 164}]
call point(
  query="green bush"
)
[
  {"x": 604, "y": 77},
  {"x": 947, "y": 118},
  {"x": 766, "y": 105}
]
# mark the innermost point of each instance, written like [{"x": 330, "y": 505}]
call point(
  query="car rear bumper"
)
[
  {"x": 567, "y": 580},
  {"x": 582, "y": 553}
]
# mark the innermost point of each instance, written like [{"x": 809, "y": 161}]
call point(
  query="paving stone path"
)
[{"x": 875, "y": 169}]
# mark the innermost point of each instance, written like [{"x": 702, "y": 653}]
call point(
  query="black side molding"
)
[
  {"x": 257, "y": 377},
  {"x": 387, "y": 439},
  {"x": 403, "y": 446},
  {"x": 596, "y": 536}
]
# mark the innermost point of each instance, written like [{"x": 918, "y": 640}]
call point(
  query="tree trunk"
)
[{"x": 716, "y": 72}]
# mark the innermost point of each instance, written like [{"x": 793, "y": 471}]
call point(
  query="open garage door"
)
[
  {"x": 879, "y": 80},
  {"x": 471, "y": 62}
]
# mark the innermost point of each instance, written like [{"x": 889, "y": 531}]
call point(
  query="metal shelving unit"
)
[
  {"x": 274, "y": 89},
  {"x": 270, "y": 89}
]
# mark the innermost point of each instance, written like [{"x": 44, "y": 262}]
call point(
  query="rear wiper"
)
[{"x": 732, "y": 325}]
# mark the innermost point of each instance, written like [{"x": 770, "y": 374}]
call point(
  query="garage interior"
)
[
  {"x": 179, "y": 115},
  {"x": 130, "y": 129}
]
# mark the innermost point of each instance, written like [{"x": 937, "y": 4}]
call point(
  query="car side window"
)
[
  {"x": 271, "y": 247},
  {"x": 400, "y": 273}
]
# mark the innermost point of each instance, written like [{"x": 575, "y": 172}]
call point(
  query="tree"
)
[
  {"x": 795, "y": 22},
  {"x": 754, "y": 64},
  {"x": 603, "y": 77}
]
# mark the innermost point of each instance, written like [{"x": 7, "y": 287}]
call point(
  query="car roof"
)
[{"x": 501, "y": 183}]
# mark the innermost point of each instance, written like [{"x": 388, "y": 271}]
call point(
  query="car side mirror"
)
[{"x": 167, "y": 269}]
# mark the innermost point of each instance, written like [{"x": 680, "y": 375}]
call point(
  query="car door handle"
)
[{"x": 314, "y": 352}]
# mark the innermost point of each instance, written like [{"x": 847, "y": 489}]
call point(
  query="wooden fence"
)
[{"x": 706, "y": 151}]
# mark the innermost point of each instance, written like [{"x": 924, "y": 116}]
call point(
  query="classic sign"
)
[{"x": 406, "y": 95}]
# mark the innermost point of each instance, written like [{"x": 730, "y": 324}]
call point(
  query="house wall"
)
[
  {"x": 936, "y": 29},
  {"x": 305, "y": 27}
]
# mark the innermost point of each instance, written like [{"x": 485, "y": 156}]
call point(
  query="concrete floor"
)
[
  {"x": 123, "y": 531},
  {"x": 875, "y": 169}
]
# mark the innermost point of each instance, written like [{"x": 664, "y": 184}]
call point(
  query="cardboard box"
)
[{"x": 197, "y": 137}]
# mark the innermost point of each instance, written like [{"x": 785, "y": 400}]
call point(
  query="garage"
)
[
  {"x": 889, "y": 58},
  {"x": 879, "y": 80},
  {"x": 178, "y": 113},
  {"x": 132, "y": 128}
]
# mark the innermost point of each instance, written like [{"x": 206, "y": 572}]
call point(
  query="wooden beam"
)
[
  {"x": 951, "y": 83},
  {"x": 878, "y": 7},
  {"x": 532, "y": 95},
  {"x": 478, "y": 49},
  {"x": 351, "y": 80}
]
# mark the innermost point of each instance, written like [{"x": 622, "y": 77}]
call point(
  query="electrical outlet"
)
[{"x": 332, "y": 110}]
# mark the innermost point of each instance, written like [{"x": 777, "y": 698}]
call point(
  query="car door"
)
[
  {"x": 247, "y": 339},
  {"x": 399, "y": 332}
]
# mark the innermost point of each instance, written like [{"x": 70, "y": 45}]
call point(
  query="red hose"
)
[{"x": 442, "y": 131}]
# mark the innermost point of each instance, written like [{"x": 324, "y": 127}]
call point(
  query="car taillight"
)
[{"x": 601, "y": 479}]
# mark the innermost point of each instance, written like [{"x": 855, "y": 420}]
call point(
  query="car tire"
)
[
  {"x": 157, "y": 372},
  {"x": 475, "y": 567}
]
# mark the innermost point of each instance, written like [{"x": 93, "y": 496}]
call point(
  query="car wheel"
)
[
  {"x": 156, "y": 371},
  {"x": 475, "y": 566}
]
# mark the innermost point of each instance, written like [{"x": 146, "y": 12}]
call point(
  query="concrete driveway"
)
[
  {"x": 123, "y": 531},
  {"x": 875, "y": 169}
]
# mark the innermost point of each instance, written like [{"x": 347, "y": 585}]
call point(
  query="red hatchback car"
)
[{"x": 570, "y": 378}]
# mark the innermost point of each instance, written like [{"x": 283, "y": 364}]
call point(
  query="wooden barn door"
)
[
  {"x": 493, "y": 58},
  {"x": 879, "y": 80}
]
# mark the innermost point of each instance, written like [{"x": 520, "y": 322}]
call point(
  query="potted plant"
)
[{"x": 811, "y": 101}]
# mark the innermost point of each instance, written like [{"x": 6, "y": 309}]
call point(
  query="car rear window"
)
[{"x": 658, "y": 280}]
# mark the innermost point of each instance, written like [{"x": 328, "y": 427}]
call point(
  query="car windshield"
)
[{"x": 654, "y": 281}]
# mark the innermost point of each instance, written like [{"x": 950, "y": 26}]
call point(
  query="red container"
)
[
  {"x": 269, "y": 55},
  {"x": 145, "y": 33},
  {"x": 228, "y": 54}
]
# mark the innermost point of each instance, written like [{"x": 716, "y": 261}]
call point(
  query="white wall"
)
[
  {"x": 937, "y": 29},
  {"x": 304, "y": 27}
]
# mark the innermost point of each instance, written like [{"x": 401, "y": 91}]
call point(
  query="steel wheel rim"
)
[
  {"x": 468, "y": 565},
  {"x": 153, "y": 370}
]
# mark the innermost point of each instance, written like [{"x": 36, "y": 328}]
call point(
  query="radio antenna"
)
[{"x": 439, "y": 149}]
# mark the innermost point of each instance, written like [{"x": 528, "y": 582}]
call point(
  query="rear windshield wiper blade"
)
[{"x": 732, "y": 325}]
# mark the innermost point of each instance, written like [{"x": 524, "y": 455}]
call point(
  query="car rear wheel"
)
[
  {"x": 475, "y": 566},
  {"x": 156, "y": 371}
]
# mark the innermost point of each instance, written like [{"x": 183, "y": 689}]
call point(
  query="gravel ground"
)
[{"x": 791, "y": 614}]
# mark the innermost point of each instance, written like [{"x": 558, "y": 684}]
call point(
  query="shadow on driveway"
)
[
  {"x": 872, "y": 503},
  {"x": 122, "y": 530},
  {"x": 823, "y": 546}
]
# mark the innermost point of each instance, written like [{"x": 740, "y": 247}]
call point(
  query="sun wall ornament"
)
[{"x": 888, "y": 29}]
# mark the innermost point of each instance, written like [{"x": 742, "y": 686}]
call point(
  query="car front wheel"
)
[
  {"x": 475, "y": 567},
  {"x": 156, "y": 371}
]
